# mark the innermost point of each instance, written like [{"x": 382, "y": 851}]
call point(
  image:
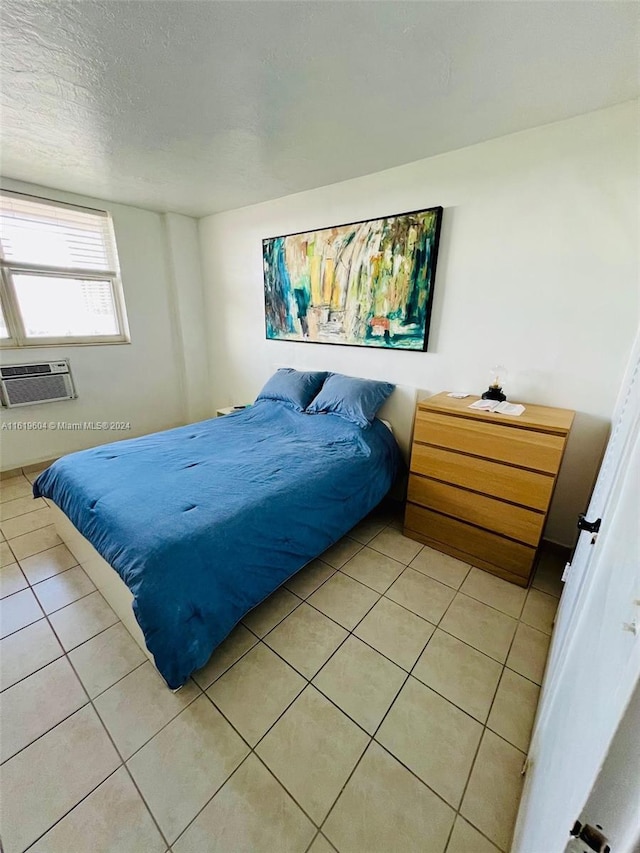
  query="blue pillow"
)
[
  {"x": 293, "y": 387},
  {"x": 357, "y": 400}
]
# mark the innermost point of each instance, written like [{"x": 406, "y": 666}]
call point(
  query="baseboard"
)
[{"x": 26, "y": 469}]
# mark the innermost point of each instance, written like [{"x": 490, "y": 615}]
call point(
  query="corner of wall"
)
[{"x": 188, "y": 314}]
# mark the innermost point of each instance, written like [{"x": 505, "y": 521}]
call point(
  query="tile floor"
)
[{"x": 381, "y": 701}]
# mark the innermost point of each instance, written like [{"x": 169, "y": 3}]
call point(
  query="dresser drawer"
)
[
  {"x": 504, "y": 518},
  {"x": 539, "y": 451},
  {"x": 489, "y": 549},
  {"x": 491, "y": 478}
]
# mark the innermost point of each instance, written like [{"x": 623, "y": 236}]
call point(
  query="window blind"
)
[{"x": 36, "y": 233}]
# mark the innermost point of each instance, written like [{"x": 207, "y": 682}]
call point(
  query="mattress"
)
[{"x": 203, "y": 522}]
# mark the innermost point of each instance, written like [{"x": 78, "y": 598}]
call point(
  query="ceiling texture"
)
[{"x": 199, "y": 107}]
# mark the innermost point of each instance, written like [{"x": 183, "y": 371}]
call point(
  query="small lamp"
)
[{"x": 497, "y": 376}]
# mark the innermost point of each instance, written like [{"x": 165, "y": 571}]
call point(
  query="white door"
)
[
  {"x": 594, "y": 662},
  {"x": 614, "y": 802}
]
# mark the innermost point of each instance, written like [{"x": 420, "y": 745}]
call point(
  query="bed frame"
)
[
  {"x": 398, "y": 411},
  {"x": 106, "y": 579}
]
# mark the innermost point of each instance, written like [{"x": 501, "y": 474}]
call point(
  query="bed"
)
[{"x": 204, "y": 522}]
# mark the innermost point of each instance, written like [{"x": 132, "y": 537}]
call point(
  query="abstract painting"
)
[{"x": 363, "y": 284}]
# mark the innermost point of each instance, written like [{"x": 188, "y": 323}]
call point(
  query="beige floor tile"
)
[
  {"x": 26, "y": 523},
  {"x": 394, "y": 631},
  {"x": 392, "y": 543},
  {"x": 255, "y": 691},
  {"x": 498, "y": 593},
  {"x": 361, "y": 682},
  {"x": 20, "y": 506},
  {"x": 528, "y": 654},
  {"x": 460, "y": 673},
  {"x": 466, "y": 839},
  {"x": 252, "y": 813},
  {"x": 308, "y": 579},
  {"x": 312, "y": 750},
  {"x": 441, "y": 567},
  {"x": 36, "y": 704},
  {"x": 6, "y": 555},
  {"x": 83, "y": 619},
  {"x": 480, "y": 626},
  {"x": 338, "y": 554},
  {"x": 47, "y": 563},
  {"x": 266, "y": 616},
  {"x": 139, "y": 705},
  {"x": 493, "y": 794},
  {"x": 385, "y": 808},
  {"x": 63, "y": 589},
  {"x": 33, "y": 801},
  {"x": 514, "y": 709},
  {"x": 373, "y": 569},
  {"x": 35, "y": 542},
  {"x": 27, "y": 651},
  {"x": 367, "y": 529},
  {"x": 239, "y": 641},
  {"x": 321, "y": 845},
  {"x": 17, "y": 611},
  {"x": 433, "y": 738},
  {"x": 548, "y": 576},
  {"x": 106, "y": 658},
  {"x": 421, "y": 595},
  {"x": 11, "y": 580},
  {"x": 540, "y": 610},
  {"x": 306, "y": 639},
  {"x": 344, "y": 600},
  {"x": 194, "y": 755},
  {"x": 112, "y": 818},
  {"x": 16, "y": 487}
]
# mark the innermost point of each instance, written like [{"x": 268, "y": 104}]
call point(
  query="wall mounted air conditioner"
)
[{"x": 41, "y": 382}]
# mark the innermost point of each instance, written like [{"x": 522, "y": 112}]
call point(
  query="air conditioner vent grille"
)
[
  {"x": 24, "y": 370},
  {"x": 28, "y": 384},
  {"x": 36, "y": 389}
]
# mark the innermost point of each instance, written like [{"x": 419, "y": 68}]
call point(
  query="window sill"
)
[{"x": 47, "y": 343}]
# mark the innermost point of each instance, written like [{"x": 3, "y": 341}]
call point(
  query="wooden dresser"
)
[{"x": 480, "y": 484}]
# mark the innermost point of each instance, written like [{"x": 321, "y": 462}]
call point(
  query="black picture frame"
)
[{"x": 366, "y": 283}]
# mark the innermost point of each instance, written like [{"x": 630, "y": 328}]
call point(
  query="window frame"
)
[{"x": 18, "y": 339}]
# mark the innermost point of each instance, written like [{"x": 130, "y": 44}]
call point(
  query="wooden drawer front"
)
[
  {"x": 538, "y": 450},
  {"x": 492, "y": 478},
  {"x": 507, "y": 519},
  {"x": 488, "y": 547}
]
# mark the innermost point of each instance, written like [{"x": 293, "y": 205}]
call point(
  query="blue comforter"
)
[{"x": 205, "y": 521}]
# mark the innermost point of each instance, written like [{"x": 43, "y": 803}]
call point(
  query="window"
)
[{"x": 60, "y": 275}]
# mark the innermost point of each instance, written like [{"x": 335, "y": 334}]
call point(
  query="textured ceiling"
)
[{"x": 199, "y": 107}]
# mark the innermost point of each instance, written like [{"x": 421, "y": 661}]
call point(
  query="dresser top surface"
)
[{"x": 543, "y": 418}]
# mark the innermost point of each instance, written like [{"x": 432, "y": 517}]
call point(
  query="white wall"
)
[
  {"x": 142, "y": 382},
  {"x": 538, "y": 270}
]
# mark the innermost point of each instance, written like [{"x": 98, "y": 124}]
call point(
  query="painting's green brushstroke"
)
[{"x": 364, "y": 284}]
